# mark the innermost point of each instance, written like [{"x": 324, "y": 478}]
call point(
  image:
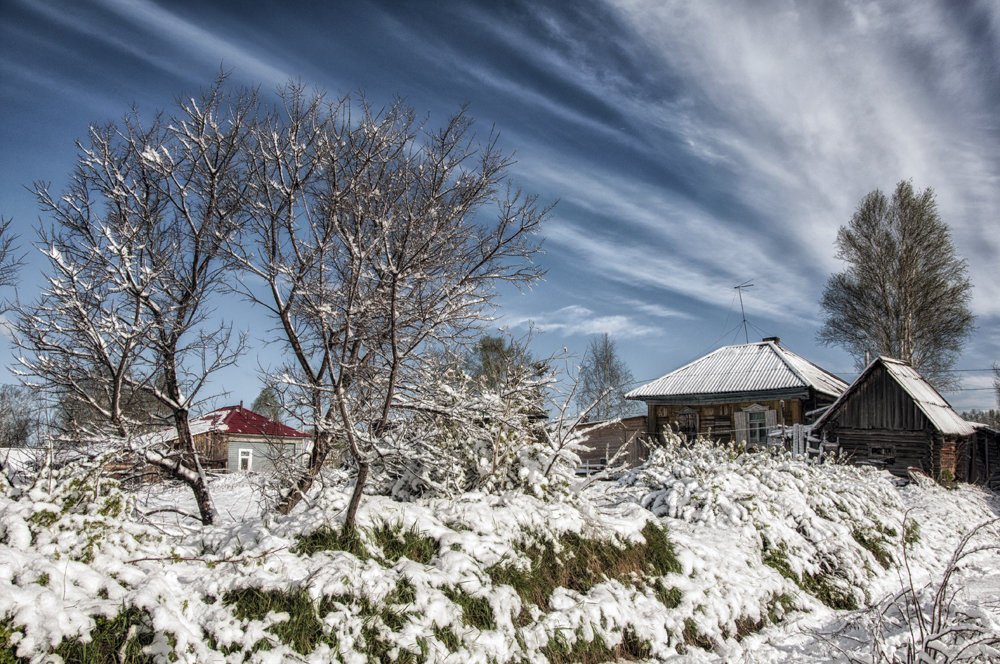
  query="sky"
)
[{"x": 689, "y": 146}]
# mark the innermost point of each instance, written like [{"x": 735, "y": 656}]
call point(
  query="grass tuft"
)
[
  {"x": 821, "y": 586},
  {"x": 329, "y": 538},
  {"x": 7, "y": 645},
  {"x": 397, "y": 543},
  {"x": 302, "y": 632},
  {"x": 669, "y": 597},
  {"x": 560, "y": 651},
  {"x": 579, "y": 564},
  {"x": 111, "y": 640},
  {"x": 476, "y": 611}
]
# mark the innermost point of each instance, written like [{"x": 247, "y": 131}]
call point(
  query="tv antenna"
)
[{"x": 739, "y": 289}]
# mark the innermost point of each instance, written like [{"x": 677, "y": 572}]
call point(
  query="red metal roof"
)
[{"x": 237, "y": 419}]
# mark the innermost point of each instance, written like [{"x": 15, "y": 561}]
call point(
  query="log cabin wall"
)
[
  {"x": 880, "y": 403},
  {"x": 604, "y": 442},
  {"x": 716, "y": 421},
  {"x": 214, "y": 449},
  {"x": 879, "y": 421}
]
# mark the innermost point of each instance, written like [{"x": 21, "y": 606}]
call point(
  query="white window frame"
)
[{"x": 245, "y": 453}]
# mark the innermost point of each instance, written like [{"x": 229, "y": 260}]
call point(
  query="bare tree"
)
[
  {"x": 135, "y": 252},
  {"x": 604, "y": 379},
  {"x": 9, "y": 262},
  {"x": 373, "y": 237},
  {"x": 905, "y": 292}
]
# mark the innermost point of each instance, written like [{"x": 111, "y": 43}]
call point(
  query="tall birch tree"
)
[{"x": 905, "y": 292}]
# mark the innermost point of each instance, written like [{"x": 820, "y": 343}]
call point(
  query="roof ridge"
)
[{"x": 780, "y": 352}]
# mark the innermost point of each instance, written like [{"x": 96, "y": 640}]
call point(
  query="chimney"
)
[{"x": 775, "y": 340}]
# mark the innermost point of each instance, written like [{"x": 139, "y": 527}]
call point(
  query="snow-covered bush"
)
[
  {"x": 463, "y": 434},
  {"x": 829, "y": 527},
  {"x": 934, "y": 622}
]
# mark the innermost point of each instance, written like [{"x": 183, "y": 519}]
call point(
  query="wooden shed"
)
[
  {"x": 891, "y": 416},
  {"x": 603, "y": 441}
]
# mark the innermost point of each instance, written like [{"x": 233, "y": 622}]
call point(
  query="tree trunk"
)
[
  {"x": 350, "y": 521},
  {"x": 190, "y": 458},
  {"x": 320, "y": 451}
]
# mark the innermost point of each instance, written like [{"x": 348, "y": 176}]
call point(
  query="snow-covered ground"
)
[{"x": 769, "y": 553}]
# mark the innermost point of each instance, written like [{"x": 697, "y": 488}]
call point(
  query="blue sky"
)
[{"x": 691, "y": 146}]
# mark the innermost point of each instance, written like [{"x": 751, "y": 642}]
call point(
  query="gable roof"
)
[
  {"x": 237, "y": 419},
  {"x": 747, "y": 368},
  {"x": 927, "y": 399}
]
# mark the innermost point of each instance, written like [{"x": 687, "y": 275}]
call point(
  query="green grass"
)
[
  {"x": 911, "y": 532},
  {"x": 6, "y": 646},
  {"x": 394, "y": 542},
  {"x": 874, "y": 544},
  {"x": 560, "y": 651},
  {"x": 582, "y": 563},
  {"x": 476, "y": 611},
  {"x": 669, "y": 597},
  {"x": 821, "y": 586},
  {"x": 108, "y": 641},
  {"x": 397, "y": 543},
  {"x": 329, "y": 538},
  {"x": 302, "y": 632},
  {"x": 447, "y": 638}
]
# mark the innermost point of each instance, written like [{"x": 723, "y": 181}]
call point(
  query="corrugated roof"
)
[
  {"x": 231, "y": 419},
  {"x": 758, "y": 367},
  {"x": 927, "y": 399},
  {"x": 237, "y": 419}
]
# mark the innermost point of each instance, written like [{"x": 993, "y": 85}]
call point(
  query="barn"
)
[
  {"x": 602, "y": 442},
  {"x": 891, "y": 416}
]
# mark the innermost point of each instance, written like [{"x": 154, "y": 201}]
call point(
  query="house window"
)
[
  {"x": 757, "y": 428},
  {"x": 246, "y": 459},
  {"x": 753, "y": 422},
  {"x": 885, "y": 453},
  {"x": 687, "y": 423}
]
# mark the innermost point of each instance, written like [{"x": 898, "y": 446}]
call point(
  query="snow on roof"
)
[
  {"x": 758, "y": 367},
  {"x": 928, "y": 400},
  {"x": 925, "y": 397}
]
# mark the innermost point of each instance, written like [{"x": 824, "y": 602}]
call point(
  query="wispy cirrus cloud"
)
[{"x": 579, "y": 320}]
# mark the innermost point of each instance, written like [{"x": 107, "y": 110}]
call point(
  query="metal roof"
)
[
  {"x": 231, "y": 419},
  {"x": 751, "y": 368},
  {"x": 237, "y": 419},
  {"x": 927, "y": 399}
]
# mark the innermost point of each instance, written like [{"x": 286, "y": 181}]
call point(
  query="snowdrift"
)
[{"x": 706, "y": 553}]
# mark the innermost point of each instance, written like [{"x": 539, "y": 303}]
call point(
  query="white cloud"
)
[{"x": 576, "y": 319}]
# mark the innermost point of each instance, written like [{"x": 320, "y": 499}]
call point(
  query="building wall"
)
[
  {"x": 879, "y": 422},
  {"x": 265, "y": 456},
  {"x": 718, "y": 421},
  {"x": 605, "y": 441}
]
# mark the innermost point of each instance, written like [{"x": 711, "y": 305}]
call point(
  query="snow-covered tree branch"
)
[
  {"x": 377, "y": 238},
  {"x": 135, "y": 252}
]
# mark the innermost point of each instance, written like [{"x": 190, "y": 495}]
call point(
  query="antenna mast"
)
[{"x": 739, "y": 289}]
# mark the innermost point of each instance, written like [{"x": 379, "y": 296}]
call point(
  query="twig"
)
[{"x": 205, "y": 560}]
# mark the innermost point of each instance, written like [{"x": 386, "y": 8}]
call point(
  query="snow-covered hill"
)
[{"x": 705, "y": 554}]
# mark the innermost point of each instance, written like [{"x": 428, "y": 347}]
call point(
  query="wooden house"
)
[
  {"x": 738, "y": 393},
  {"x": 891, "y": 416},
  {"x": 237, "y": 439},
  {"x": 602, "y": 441}
]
